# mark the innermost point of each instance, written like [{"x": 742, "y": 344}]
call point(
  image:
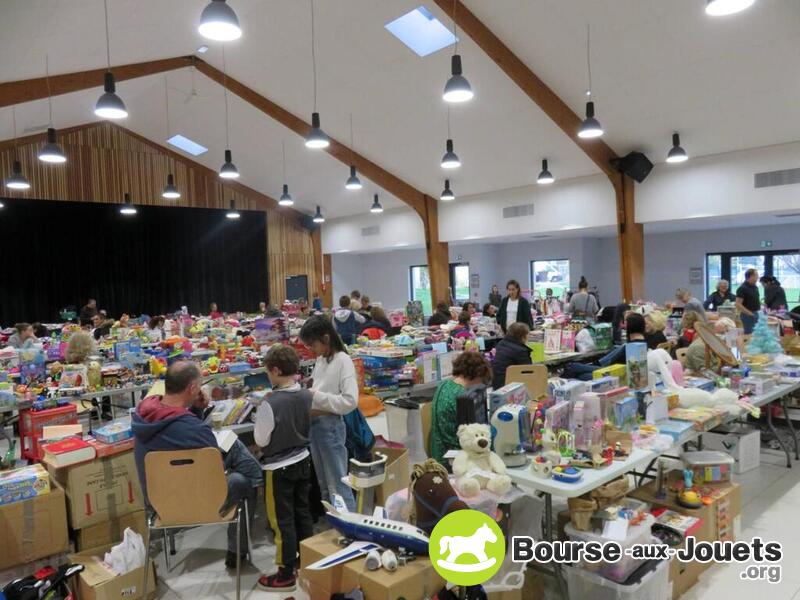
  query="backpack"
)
[{"x": 359, "y": 439}]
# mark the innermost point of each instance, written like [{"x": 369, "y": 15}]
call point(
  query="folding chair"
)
[{"x": 187, "y": 488}]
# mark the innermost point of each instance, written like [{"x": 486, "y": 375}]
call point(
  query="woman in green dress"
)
[{"x": 469, "y": 369}]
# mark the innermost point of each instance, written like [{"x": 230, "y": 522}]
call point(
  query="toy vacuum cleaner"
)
[{"x": 510, "y": 431}]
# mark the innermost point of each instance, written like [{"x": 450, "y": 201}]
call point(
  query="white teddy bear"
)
[{"x": 475, "y": 466}]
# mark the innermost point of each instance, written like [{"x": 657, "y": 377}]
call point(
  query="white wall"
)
[
  {"x": 566, "y": 205},
  {"x": 717, "y": 185},
  {"x": 398, "y": 228}
]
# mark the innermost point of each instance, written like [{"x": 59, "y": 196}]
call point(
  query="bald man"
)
[{"x": 174, "y": 422}]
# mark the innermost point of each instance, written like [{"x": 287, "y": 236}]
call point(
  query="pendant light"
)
[
  {"x": 316, "y": 138},
  {"x": 218, "y": 22},
  {"x": 127, "y": 207},
  {"x": 233, "y": 213},
  {"x": 17, "y": 181},
  {"x": 376, "y": 206},
  {"x": 590, "y": 128},
  {"x": 109, "y": 105},
  {"x": 51, "y": 152},
  {"x": 447, "y": 194},
  {"x": 228, "y": 170},
  {"x": 286, "y": 198},
  {"x": 450, "y": 159},
  {"x": 353, "y": 182},
  {"x": 457, "y": 88},
  {"x": 170, "y": 190},
  {"x": 677, "y": 154},
  {"x": 545, "y": 177},
  {"x": 720, "y": 8},
  {"x": 318, "y": 218}
]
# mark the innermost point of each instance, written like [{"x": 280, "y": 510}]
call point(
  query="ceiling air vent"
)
[
  {"x": 522, "y": 210},
  {"x": 773, "y": 178},
  {"x": 373, "y": 230}
]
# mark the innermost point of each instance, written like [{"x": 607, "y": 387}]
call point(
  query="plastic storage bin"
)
[
  {"x": 709, "y": 466},
  {"x": 621, "y": 570},
  {"x": 649, "y": 583}
]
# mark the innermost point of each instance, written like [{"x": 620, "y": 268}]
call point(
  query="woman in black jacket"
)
[
  {"x": 509, "y": 352},
  {"x": 522, "y": 314}
]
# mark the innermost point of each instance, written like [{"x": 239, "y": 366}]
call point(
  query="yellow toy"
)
[{"x": 157, "y": 367}]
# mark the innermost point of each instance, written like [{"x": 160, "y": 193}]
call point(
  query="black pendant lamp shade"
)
[
  {"x": 447, "y": 194},
  {"x": 218, "y": 22},
  {"x": 677, "y": 154},
  {"x": 590, "y": 128},
  {"x": 353, "y": 182},
  {"x": 127, "y": 207},
  {"x": 52, "y": 152},
  {"x": 17, "y": 181},
  {"x": 233, "y": 213},
  {"x": 318, "y": 218},
  {"x": 457, "y": 88},
  {"x": 376, "y": 206},
  {"x": 109, "y": 105},
  {"x": 228, "y": 170},
  {"x": 450, "y": 159},
  {"x": 170, "y": 191},
  {"x": 545, "y": 177},
  {"x": 286, "y": 198},
  {"x": 316, "y": 138}
]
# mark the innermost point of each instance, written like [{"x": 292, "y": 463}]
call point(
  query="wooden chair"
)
[
  {"x": 187, "y": 488},
  {"x": 533, "y": 376}
]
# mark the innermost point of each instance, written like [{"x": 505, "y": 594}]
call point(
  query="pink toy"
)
[{"x": 677, "y": 373}]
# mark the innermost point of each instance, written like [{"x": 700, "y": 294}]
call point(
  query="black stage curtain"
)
[{"x": 56, "y": 254}]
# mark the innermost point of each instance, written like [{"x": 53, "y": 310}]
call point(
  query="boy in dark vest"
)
[
  {"x": 347, "y": 321},
  {"x": 281, "y": 429}
]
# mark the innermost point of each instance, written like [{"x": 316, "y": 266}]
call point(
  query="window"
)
[
  {"x": 784, "y": 265},
  {"x": 187, "y": 145},
  {"x": 421, "y": 31},
  {"x": 552, "y": 274},
  {"x": 420, "y": 284},
  {"x": 459, "y": 281}
]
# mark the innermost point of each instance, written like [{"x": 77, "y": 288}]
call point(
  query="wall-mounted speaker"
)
[{"x": 635, "y": 165}]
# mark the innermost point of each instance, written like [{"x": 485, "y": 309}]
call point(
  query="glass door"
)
[
  {"x": 420, "y": 284},
  {"x": 739, "y": 265},
  {"x": 459, "y": 281},
  {"x": 786, "y": 269}
]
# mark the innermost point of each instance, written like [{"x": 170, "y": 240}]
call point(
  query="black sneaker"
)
[
  {"x": 230, "y": 560},
  {"x": 284, "y": 580}
]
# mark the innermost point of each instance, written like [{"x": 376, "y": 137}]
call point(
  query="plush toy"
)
[
  {"x": 431, "y": 495},
  {"x": 476, "y": 455},
  {"x": 550, "y": 447}
]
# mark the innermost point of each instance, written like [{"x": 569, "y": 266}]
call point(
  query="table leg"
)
[
  {"x": 774, "y": 431},
  {"x": 791, "y": 427},
  {"x": 643, "y": 475},
  {"x": 548, "y": 536}
]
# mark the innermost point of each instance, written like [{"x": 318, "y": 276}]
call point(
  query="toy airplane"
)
[{"x": 369, "y": 532}]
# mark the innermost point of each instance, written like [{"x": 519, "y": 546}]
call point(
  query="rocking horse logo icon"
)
[{"x": 467, "y": 547}]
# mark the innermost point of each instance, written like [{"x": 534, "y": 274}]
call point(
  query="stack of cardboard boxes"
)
[{"x": 719, "y": 521}]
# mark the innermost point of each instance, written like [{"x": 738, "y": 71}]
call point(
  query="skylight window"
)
[
  {"x": 187, "y": 145},
  {"x": 421, "y": 31}
]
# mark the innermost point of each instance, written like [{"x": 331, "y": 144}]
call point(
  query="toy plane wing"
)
[{"x": 352, "y": 551}]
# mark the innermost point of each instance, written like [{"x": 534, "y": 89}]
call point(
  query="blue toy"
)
[{"x": 567, "y": 474}]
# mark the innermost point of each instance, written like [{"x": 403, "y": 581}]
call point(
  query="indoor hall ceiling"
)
[{"x": 657, "y": 66}]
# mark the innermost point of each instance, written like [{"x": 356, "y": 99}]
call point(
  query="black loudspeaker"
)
[
  {"x": 308, "y": 222},
  {"x": 635, "y": 165}
]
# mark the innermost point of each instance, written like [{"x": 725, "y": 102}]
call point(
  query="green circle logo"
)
[{"x": 467, "y": 547}]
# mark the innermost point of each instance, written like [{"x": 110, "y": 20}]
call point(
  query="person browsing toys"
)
[{"x": 282, "y": 430}]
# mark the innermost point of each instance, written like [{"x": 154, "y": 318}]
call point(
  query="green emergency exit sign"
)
[{"x": 766, "y": 243}]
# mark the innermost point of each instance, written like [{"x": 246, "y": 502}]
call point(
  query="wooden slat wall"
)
[{"x": 105, "y": 160}]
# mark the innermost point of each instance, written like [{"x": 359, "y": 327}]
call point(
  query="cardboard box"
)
[
  {"x": 398, "y": 473},
  {"x": 741, "y": 442},
  {"x": 110, "y": 532},
  {"x": 33, "y": 528},
  {"x": 414, "y": 581},
  {"x": 101, "y": 490},
  {"x": 719, "y": 517},
  {"x": 98, "y": 582}
]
